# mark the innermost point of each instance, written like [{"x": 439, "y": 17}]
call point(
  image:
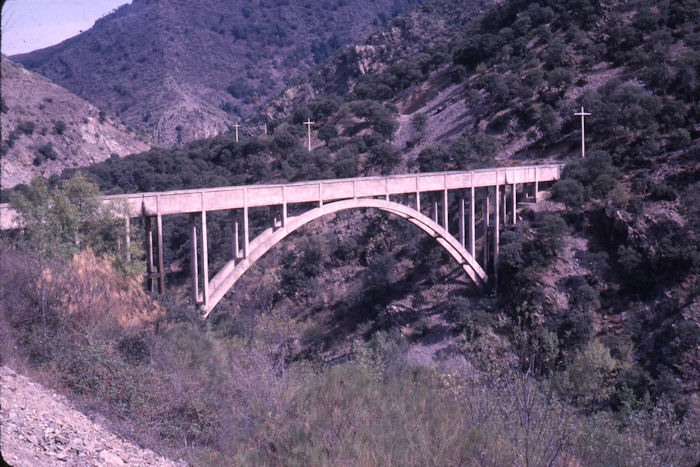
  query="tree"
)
[
  {"x": 327, "y": 132},
  {"x": 384, "y": 157},
  {"x": 569, "y": 192},
  {"x": 550, "y": 234},
  {"x": 58, "y": 223},
  {"x": 589, "y": 377}
]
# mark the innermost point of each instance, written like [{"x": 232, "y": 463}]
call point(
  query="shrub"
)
[
  {"x": 26, "y": 127},
  {"x": 60, "y": 127},
  {"x": 570, "y": 192},
  {"x": 549, "y": 237},
  {"x": 384, "y": 157},
  {"x": 589, "y": 377},
  {"x": 327, "y": 132},
  {"x": 663, "y": 192},
  {"x": 419, "y": 120},
  {"x": 45, "y": 152},
  {"x": 383, "y": 355}
]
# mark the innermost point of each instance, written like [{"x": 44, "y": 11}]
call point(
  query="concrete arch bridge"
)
[{"x": 424, "y": 199}]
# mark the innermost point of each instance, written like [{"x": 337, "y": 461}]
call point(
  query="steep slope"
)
[
  {"x": 46, "y": 129},
  {"x": 182, "y": 70},
  {"x": 427, "y": 28},
  {"x": 40, "y": 427}
]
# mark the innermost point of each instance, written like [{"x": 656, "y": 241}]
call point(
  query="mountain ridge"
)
[{"x": 143, "y": 63}]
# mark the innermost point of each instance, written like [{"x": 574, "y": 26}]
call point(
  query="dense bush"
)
[{"x": 59, "y": 127}]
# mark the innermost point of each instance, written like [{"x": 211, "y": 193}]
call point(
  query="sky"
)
[{"x": 34, "y": 24}]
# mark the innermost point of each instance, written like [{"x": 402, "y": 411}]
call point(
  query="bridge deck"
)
[{"x": 234, "y": 197}]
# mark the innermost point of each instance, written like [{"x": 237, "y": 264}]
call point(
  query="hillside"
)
[
  {"x": 425, "y": 29},
  {"x": 181, "y": 70},
  {"x": 46, "y": 129},
  {"x": 356, "y": 340},
  {"x": 40, "y": 427}
]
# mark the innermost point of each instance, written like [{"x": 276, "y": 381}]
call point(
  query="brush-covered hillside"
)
[
  {"x": 46, "y": 129},
  {"x": 181, "y": 70},
  {"x": 356, "y": 340}
]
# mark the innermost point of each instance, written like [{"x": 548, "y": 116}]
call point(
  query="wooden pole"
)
[
  {"x": 308, "y": 123},
  {"x": 583, "y": 116}
]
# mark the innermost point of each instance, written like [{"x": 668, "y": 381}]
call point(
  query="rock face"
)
[
  {"x": 187, "y": 69},
  {"x": 46, "y": 129},
  {"x": 40, "y": 427}
]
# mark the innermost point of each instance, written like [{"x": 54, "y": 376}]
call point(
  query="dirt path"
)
[{"x": 41, "y": 428}]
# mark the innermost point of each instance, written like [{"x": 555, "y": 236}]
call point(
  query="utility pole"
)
[
  {"x": 583, "y": 116},
  {"x": 236, "y": 126},
  {"x": 308, "y": 122}
]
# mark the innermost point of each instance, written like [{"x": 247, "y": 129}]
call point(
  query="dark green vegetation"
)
[{"x": 588, "y": 353}]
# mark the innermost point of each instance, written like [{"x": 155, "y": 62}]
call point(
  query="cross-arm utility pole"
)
[
  {"x": 308, "y": 123},
  {"x": 236, "y": 126},
  {"x": 583, "y": 115}
]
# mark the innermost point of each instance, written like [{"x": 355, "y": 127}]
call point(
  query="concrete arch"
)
[{"x": 233, "y": 270}]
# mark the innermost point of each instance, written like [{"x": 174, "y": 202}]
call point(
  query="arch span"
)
[{"x": 233, "y": 270}]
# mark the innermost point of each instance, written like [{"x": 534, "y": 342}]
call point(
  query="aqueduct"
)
[{"x": 408, "y": 196}]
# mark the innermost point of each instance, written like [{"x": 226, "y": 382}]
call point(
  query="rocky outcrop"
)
[{"x": 39, "y": 427}]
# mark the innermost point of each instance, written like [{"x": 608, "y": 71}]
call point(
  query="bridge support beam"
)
[
  {"x": 496, "y": 234},
  {"x": 472, "y": 233},
  {"x": 194, "y": 267},
  {"x": 284, "y": 212},
  {"x": 127, "y": 237},
  {"x": 462, "y": 239},
  {"x": 148, "y": 230},
  {"x": 445, "y": 205},
  {"x": 505, "y": 204},
  {"x": 246, "y": 233},
  {"x": 514, "y": 190},
  {"x": 236, "y": 245},
  {"x": 153, "y": 272},
  {"x": 205, "y": 260},
  {"x": 161, "y": 269},
  {"x": 485, "y": 222}
]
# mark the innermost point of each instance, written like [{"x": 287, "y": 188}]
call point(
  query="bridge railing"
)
[{"x": 235, "y": 197}]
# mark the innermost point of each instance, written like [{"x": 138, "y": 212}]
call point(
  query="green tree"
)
[
  {"x": 589, "y": 377},
  {"x": 58, "y": 223},
  {"x": 327, "y": 132},
  {"x": 550, "y": 234}
]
